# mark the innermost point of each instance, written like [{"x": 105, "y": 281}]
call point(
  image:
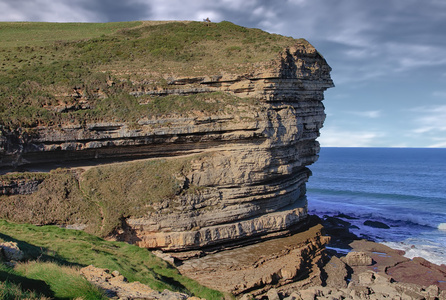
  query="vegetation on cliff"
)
[
  {"x": 61, "y": 252},
  {"x": 98, "y": 198},
  {"x": 81, "y": 73}
]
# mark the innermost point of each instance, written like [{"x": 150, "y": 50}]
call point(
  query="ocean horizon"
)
[{"x": 404, "y": 188}]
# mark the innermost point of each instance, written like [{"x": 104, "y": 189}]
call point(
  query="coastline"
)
[
  {"x": 402, "y": 188},
  {"x": 323, "y": 261},
  {"x": 363, "y": 269}
]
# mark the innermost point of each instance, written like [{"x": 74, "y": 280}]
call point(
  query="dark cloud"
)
[
  {"x": 73, "y": 10},
  {"x": 116, "y": 11}
]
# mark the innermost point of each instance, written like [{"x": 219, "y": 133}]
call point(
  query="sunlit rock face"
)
[
  {"x": 249, "y": 161},
  {"x": 252, "y": 182}
]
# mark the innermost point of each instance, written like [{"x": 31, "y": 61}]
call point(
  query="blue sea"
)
[{"x": 404, "y": 188}]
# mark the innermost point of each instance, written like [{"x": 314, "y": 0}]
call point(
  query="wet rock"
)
[
  {"x": 339, "y": 230},
  {"x": 419, "y": 271},
  {"x": 344, "y": 216},
  {"x": 391, "y": 276},
  {"x": 376, "y": 224}
]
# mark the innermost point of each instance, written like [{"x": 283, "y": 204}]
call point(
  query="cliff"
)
[{"x": 211, "y": 157}]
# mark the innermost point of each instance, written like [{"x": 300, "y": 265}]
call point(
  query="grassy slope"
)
[
  {"x": 47, "y": 280},
  {"x": 67, "y": 249},
  {"x": 41, "y": 64}
]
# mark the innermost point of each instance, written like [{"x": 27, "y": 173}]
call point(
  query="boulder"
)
[
  {"x": 376, "y": 224},
  {"x": 11, "y": 251},
  {"x": 337, "y": 273},
  {"x": 272, "y": 294},
  {"x": 341, "y": 215}
]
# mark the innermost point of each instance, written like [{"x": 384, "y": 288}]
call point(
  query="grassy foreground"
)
[{"x": 60, "y": 252}]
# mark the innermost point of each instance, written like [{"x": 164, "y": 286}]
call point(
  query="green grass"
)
[
  {"x": 67, "y": 249},
  {"x": 22, "y": 34},
  {"x": 64, "y": 282},
  {"x": 42, "y": 63},
  {"x": 12, "y": 291}
]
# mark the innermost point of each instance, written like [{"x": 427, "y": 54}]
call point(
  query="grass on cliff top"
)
[
  {"x": 18, "y": 34},
  {"x": 59, "y": 250},
  {"x": 42, "y": 63}
]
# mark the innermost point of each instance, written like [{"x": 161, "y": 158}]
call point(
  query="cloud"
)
[
  {"x": 372, "y": 114},
  {"x": 43, "y": 10},
  {"x": 412, "y": 56},
  {"x": 73, "y": 11},
  {"x": 336, "y": 137},
  {"x": 430, "y": 120},
  {"x": 116, "y": 11},
  {"x": 438, "y": 144}
]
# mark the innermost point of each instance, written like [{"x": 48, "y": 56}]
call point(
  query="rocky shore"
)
[
  {"x": 297, "y": 267},
  {"x": 368, "y": 270}
]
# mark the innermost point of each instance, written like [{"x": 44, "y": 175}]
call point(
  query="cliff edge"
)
[{"x": 199, "y": 146}]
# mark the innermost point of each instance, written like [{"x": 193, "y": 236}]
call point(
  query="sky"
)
[{"x": 388, "y": 56}]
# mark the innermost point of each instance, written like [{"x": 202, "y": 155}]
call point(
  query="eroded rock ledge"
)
[{"x": 249, "y": 169}]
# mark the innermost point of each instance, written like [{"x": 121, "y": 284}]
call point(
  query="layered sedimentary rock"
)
[
  {"x": 257, "y": 268},
  {"x": 251, "y": 173}
]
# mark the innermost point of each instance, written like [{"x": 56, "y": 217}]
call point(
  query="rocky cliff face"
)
[{"x": 248, "y": 160}]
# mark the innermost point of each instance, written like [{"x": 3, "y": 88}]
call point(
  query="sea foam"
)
[{"x": 442, "y": 226}]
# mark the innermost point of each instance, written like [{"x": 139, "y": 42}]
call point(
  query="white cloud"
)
[
  {"x": 361, "y": 53},
  {"x": 410, "y": 56},
  {"x": 430, "y": 120},
  {"x": 336, "y": 137},
  {"x": 43, "y": 10},
  {"x": 372, "y": 114},
  {"x": 203, "y": 14},
  {"x": 172, "y": 10},
  {"x": 439, "y": 144}
]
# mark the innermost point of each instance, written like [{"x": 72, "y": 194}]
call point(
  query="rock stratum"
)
[{"x": 234, "y": 173}]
